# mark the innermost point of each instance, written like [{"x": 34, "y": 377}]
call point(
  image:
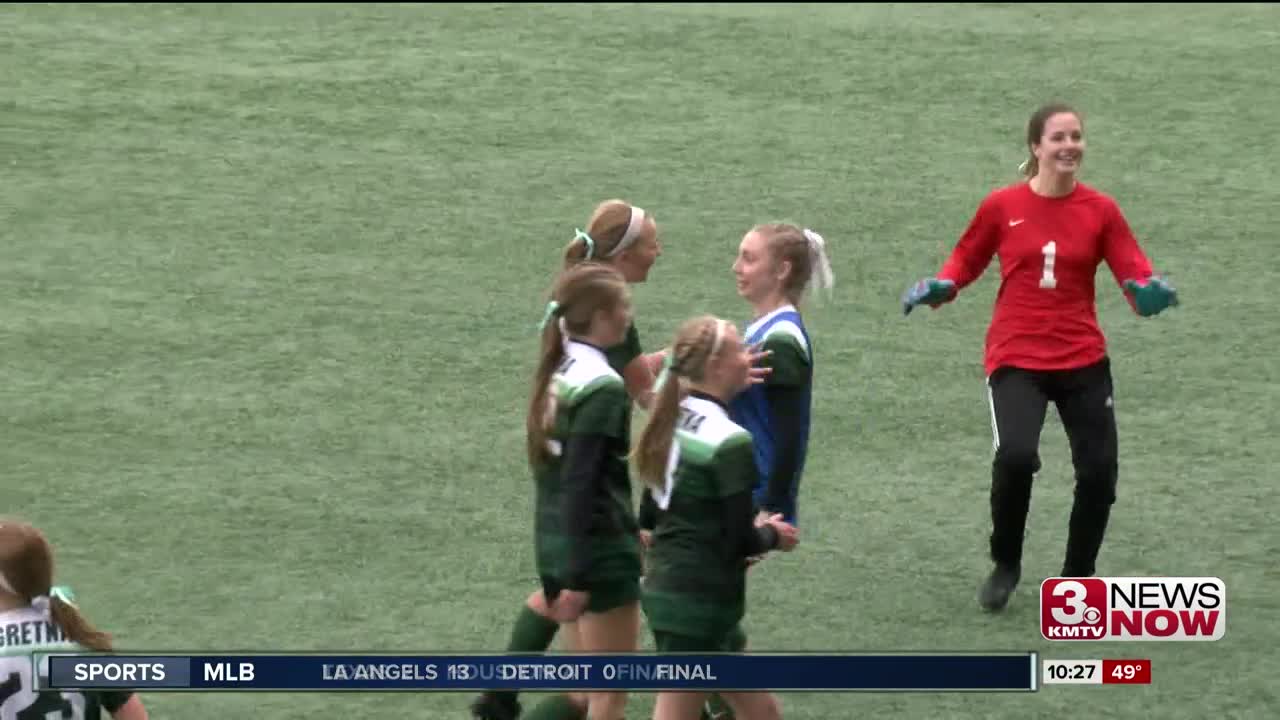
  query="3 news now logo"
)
[{"x": 1133, "y": 608}]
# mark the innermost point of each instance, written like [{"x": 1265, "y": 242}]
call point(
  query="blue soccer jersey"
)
[{"x": 776, "y": 412}]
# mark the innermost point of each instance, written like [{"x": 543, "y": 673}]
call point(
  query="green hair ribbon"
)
[
  {"x": 553, "y": 307},
  {"x": 591, "y": 244}
]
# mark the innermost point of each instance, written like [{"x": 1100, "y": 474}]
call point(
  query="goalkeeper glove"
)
[
  {"x": 1151, "y": 296},
  {"x": 930, "y": 291}
]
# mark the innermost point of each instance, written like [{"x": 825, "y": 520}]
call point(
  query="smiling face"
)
[
  {"x": 730, "y": 367},
  {"x": 758, "y": 276},
  {"x": 1060, "y": 147}
]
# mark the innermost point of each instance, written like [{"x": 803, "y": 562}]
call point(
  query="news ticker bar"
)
[
  {"x": 1097, "y": 672},
  {"x": 1014, "y": 672}
]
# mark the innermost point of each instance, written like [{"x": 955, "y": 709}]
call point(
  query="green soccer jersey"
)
[
  {"x": 621, "y": 355},
  {"x": 585, "y": 526},
  {"x": 696, "y": 582}
]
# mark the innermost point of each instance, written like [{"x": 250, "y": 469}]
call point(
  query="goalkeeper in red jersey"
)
[{"x": 1044, "y": 344}]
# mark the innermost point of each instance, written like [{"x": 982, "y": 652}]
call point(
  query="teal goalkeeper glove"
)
[
  {"x": 930, "y": 291},
  {"x": 1151, "y": 296}
]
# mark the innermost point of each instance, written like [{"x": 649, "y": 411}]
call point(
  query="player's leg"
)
[
  {"x": 610, "y": 625},
  {"x": 1086, "y": 406},
  {"x": 754, "y": 705},
  {"x": 563, "y": 706},
  {"x": 679, "y": 705},
  {"x": 716, "y": 707},
  {"x": 533, "y": 631},
  {"x": 1017, "y": 402}
]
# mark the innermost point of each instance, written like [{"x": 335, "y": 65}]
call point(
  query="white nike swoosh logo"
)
[{"x": 1016, "y": 223}]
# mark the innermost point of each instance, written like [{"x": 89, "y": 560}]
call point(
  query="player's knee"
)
[
  {"x": 1096, "y": 484},
  {"x": 607, "y": 706},
  {"x": 1018, "y": 460}
]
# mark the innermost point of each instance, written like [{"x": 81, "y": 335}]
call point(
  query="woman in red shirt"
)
[{"x": 1044, "y": 344}]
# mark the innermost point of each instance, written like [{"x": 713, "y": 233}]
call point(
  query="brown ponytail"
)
[
  {"x": 579, "y": 293},
  {"x": 538, "y": 422},
  {"x": 76, "y": 627},
  {"x": 649, "y": 459},
  {"x": 26, "y": 561}
]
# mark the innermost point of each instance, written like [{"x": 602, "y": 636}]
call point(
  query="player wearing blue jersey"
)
[
  {"x": 777, "y": 266},
  {"x": 37, "y": 617}
]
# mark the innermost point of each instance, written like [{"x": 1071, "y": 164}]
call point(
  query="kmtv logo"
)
[{"x": 1131, "y": 608}]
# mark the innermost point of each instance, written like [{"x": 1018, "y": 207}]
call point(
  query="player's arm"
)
[
  {"x": 639, "y": 377},
  {"x": 599, "y": 420},
  {"x": 122, "y": 704},
  {"x": 968, "y": 260},
  {"x": 1146, "y": 293},
  {"x": 648, "y": 515},
  {"x": 784, "y": 394},
  {"x": 585, "y": 455},
  {"x": 973, "y": 252},
  {"x": 736, "y": 474}
]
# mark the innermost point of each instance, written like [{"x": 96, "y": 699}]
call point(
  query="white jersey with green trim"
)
[
  {"x": 24, "y": 632},
  {"x": 702, "y": 428}
]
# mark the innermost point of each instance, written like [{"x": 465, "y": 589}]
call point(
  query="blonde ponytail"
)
[{"x": 653, "y": 449}]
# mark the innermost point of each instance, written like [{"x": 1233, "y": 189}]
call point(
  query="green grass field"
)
[{"x": 270, "y": 277}]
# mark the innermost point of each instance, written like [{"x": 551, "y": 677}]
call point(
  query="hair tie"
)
[
  {"x": 553, "y": 308},
  {"x": 591, "y": 244},
  {"x": 822, "y": 275},
  {"x": 40, "y": 604}
]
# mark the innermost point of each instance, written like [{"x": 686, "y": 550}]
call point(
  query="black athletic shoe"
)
[
  {"x": 994, "y": 593},
  {"x": 494, "y": 706}
]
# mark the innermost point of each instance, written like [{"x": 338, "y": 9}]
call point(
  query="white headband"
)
[
  {"x": 633, "y": 231},
  {"x": 715, "y": 344}
]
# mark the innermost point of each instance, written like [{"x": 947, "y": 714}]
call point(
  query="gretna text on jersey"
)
[
  {"x": 690, "y": 421},
  {"x": 30, "y": 632}
]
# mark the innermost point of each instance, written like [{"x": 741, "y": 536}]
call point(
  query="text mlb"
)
[
  {"x": 1133, "y": 608},
  {"x": 90, "y": 671}
]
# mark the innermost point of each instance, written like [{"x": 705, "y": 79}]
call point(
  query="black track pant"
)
[{"x": 1018, "y": 400}]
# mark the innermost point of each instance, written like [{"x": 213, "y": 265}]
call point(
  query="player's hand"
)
[
  {"x": 569, "y": 605},
  {"x": 1151, "y": 296},
  {"x": 930, "y": 291},
  {"x": 655, "y": 361},
  {"x": 758, "y": 374},
  {"x": 788, "y": 534}
]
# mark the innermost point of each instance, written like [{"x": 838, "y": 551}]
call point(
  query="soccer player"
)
[
  {"x": 777, "y": 265},
  {"x": 700, "y": 468},
  {"x": 1044, "y": 344},
  {"x": 36, "y": 617},
  {"x": 587, "y": 544},
  {"x": 624, "y": 237}
]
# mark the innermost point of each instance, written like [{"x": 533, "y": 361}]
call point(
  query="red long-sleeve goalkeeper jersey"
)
[{"x": 1045, "y": 315}]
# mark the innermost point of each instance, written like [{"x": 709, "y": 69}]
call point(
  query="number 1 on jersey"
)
[{"x": 1048, "y": 281}]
